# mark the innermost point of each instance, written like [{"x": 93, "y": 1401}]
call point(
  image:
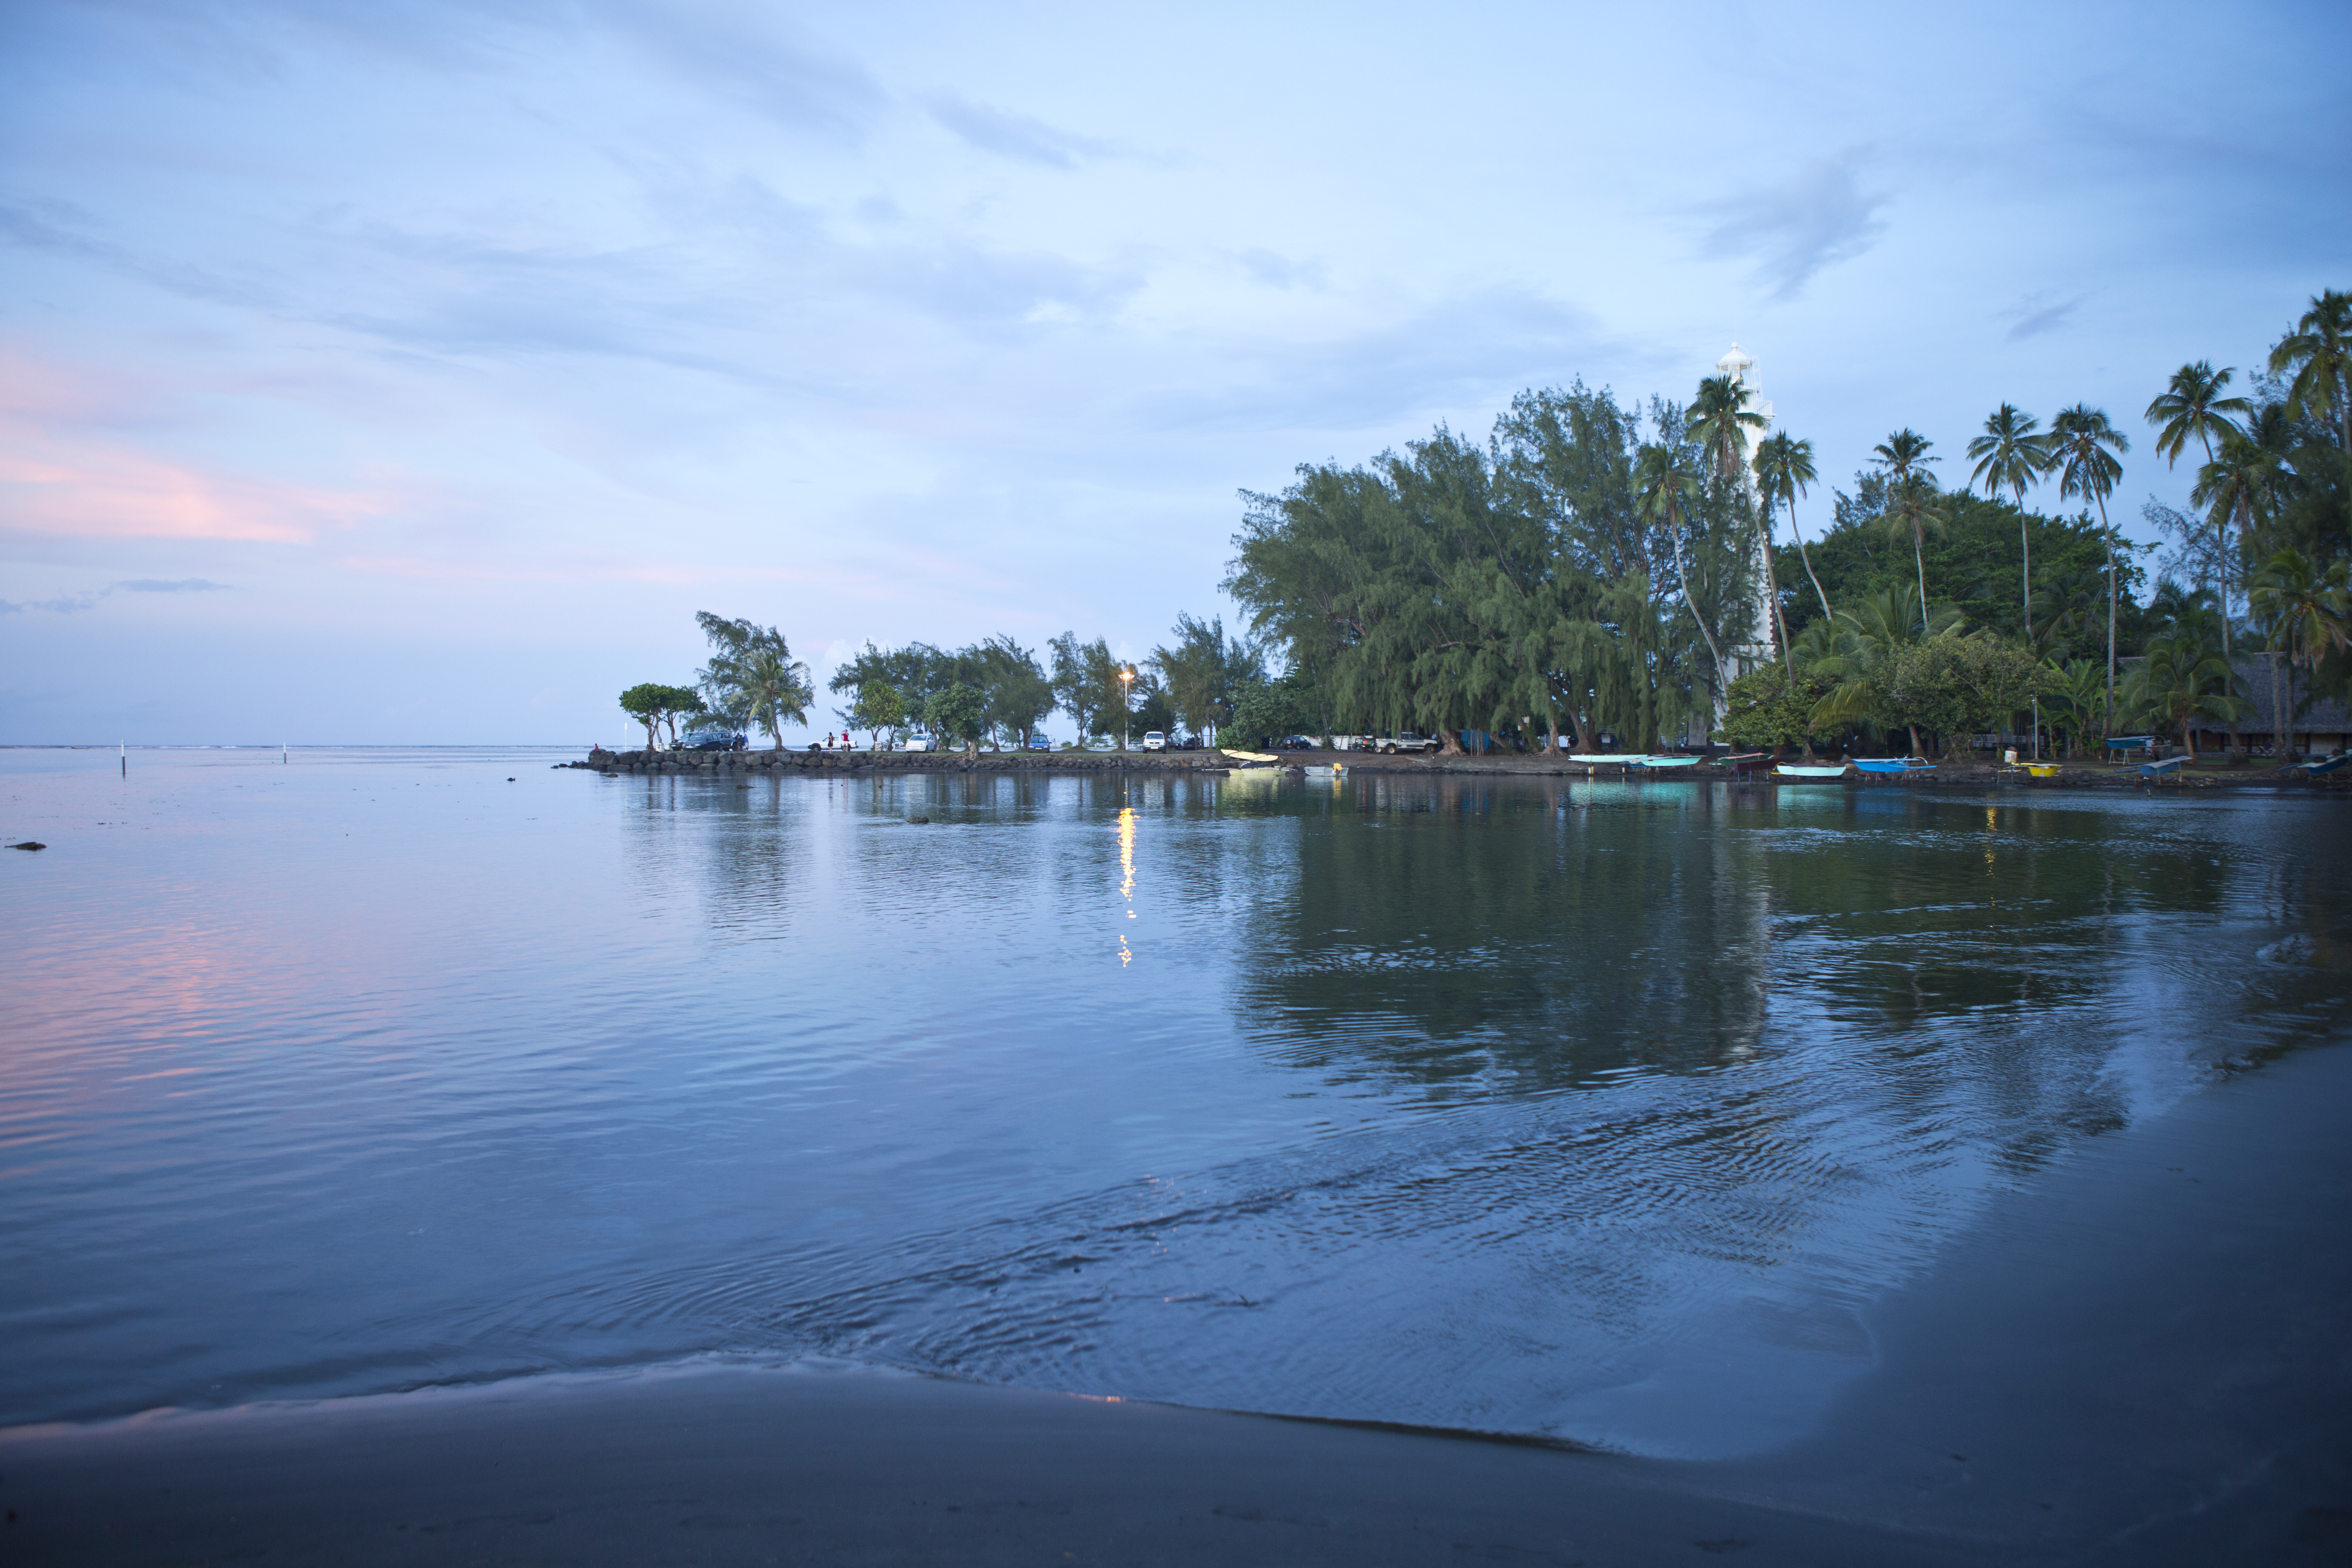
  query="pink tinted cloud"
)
[{"x": 66, "y": 468}]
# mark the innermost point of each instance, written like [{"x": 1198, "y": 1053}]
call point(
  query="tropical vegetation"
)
[{"x": 1596, "y": 567}]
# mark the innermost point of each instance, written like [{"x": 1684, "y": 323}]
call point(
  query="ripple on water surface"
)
[{"x": 1589, "y": 1109}]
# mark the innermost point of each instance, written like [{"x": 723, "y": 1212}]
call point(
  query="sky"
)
[{"x": 413, "y": 374}]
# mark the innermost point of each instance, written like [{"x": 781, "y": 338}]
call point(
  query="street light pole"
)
[{"x": 1124, "y": 677}]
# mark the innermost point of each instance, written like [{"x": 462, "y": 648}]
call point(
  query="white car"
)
[
  {"x": 916, "y": 743},
  {"x": 1155, "y": 739}
]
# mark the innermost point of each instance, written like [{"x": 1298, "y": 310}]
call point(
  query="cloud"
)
[
  {"x": 713, "y": 308},
  {"x": 74, "y": 604},
  {"x": 1278, "y": 271},
  {"x": 1010, "y": 135},
  {"x": 2032, "y": 319},
  {"x": 731, "y": 50},
  {"x": 175, "y": 586},
  {"x": 66, "y": 605},
  {"x": 52, "y": 227},
  {"x": 63, "y": 474},
  {"x": 1815, "y": 219},
  {"x": 88, "y": 490},
  {"x": 1467, "y": 351}
]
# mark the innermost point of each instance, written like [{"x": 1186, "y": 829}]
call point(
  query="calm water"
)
[{"x": 1590, "y": 1110}]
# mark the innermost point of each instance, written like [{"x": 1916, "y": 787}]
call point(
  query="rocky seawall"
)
[
  {"x": 769, "y": 761},
  {"x": 1949, "y": 775}
]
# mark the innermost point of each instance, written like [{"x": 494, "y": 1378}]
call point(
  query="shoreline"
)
[
  {"x": 2139, "y": 1357},
  {"x": 1971, "y": 775}
]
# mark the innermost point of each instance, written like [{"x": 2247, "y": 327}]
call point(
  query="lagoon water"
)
[{"x": 1601, "y": 1111}]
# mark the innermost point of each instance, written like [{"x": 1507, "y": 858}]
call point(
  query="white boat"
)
[
  {"x": 1656, "y": 760},
  {"x": 1810, "y": 772}
]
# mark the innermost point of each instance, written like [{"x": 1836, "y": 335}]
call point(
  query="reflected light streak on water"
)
[
  {"x": 1126, "y": 877},
  {"x": 1594, "y": 1110}
]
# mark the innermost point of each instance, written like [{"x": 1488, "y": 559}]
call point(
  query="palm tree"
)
[
  {"x": 774, "y": 689},
  {"x": 2085, "y": 442},
  {"x": 1903, "y": 456},
  {"x": 2074, "y": 692},
  {"x": 2317, "y": 357},
  {"x": 1850, "y": 658},
  {"x": 2309, "y": 611},
  {"x": 2183, "y": 679},
  {"x": 2012, "y": 455},
  {"x": 2235, "y": 487},
  {"x": 2193, "y": 405},
  {"x": 1784, "y": 468},
  {"x": 1719, "y": 422},
  {"x": 1664, "y": 490}
]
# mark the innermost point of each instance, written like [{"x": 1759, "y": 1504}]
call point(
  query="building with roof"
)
[{"x": 2321, "y": 724}]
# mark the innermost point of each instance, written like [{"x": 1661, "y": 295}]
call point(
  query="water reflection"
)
[
  {"x": 1589, "y": 1108},
  {"x": 1456, "y": 931},
  {"x": 1126, "y": 875}
]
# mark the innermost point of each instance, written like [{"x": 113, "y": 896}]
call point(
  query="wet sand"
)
[{"x": 2145, "y": 1357}]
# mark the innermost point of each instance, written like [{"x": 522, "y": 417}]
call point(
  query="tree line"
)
[
  {"x": 1598, "y": 569},
  {"x": 994, "y": 691}
]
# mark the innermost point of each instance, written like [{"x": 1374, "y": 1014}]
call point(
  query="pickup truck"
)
[{"x": 1392, "y": 744}]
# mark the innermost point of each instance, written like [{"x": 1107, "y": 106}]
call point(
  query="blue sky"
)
[{"x": 413, "y": 373}]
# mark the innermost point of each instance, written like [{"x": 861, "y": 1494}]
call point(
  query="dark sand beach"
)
[{"x": 2144, "y": 1356}]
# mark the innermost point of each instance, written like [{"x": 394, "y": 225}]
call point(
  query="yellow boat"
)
[{"x": 2041, "y": 770}]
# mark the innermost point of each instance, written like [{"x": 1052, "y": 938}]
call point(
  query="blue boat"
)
[
  {"x": 1893, "y": 765},
  {"x": 2325, "y": 765},
  {"x": 2157, "y": 770}
]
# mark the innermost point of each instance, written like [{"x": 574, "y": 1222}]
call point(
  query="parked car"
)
[
  {"x": 916, "y": 743},
  {"x": 707, "y": 739},
  {"x": 1406, "y": 742},
  {"x": 1155, "y": 739},
  {"x": 1040, "y": 741},
  {"x": 1297, "y": 743}
]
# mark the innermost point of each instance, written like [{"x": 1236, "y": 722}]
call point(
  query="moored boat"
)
[
  {"x": 1810, "y": 772},
  {"x": 1895, "y": 765}
]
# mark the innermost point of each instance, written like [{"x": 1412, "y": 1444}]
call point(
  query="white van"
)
[{"x": 1155, "y": 739}]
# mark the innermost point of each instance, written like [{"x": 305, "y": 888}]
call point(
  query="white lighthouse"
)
[{"x": 1741, "y": 366}]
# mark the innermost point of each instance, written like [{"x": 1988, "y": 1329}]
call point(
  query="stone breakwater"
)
[{"x": 756, "y": 762}]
